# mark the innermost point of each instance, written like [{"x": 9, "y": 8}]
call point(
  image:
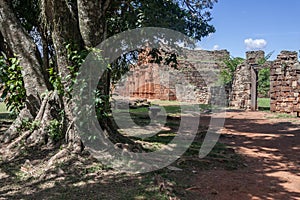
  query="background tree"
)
[
  {"x": 50, "y": 39},
  {"x": 263, "y": 86},
  {"x": 227, "y": 73},
  {"x": 264, "y": 82}
]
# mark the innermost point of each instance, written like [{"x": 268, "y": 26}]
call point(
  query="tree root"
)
[
  {"x": 16, "y": 142},
  {"x": 63, "y": 153},
  {"x": 14, "y": 130}
]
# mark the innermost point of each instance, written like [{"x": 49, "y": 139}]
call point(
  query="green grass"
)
[
  {"x": 172, "y": 107},
  {"x": 4, "y": 113},
  {"x": 3, "y": 108},
  {"x": 281, "y": 115},
  {"x": 263, "y": 103},
  {"x": 177, "y": 103}
]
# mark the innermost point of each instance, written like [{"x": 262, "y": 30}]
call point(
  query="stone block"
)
[{"x": 294, "y": 84}]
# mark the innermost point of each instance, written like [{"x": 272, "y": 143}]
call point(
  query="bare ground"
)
[
  {"x": 271, "y": 149},
  {"x": 269, "y": 169}
]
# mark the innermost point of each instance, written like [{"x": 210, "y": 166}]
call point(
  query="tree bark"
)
[
  {"x": 91, "y": 15},
  {"x": 22, "y": 45},
  {"x": 85, "y": 29},
  {"x": 25, "y": 49},
  {"x": 4, "y": 48},
  {"x": 65, "y": 30}
]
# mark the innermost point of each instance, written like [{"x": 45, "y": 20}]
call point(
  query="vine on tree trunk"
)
[{"x": 13, "y": 90}]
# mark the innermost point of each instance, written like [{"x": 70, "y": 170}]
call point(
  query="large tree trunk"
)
[
  {"x": 92, "y": 23},
  {"x": 82, "y": 26},
  {"x": 65, "y": 30},
  {"x": 23, "y": 46}
]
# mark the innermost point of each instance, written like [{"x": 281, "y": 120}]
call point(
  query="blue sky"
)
[{"x": 243, "y": 25}]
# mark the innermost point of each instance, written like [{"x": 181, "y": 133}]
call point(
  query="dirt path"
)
[{"x": 271, "y": 148}]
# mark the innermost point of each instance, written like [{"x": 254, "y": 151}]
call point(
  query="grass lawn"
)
[
  {"x": 263, "y": 103},
  {"x": 3, "y": 108},
  {"x": 4, "y": 113}
]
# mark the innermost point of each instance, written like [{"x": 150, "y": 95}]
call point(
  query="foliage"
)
[
  {"x": 28, "y": 124},
  {"x": 14, "y": 92},
  {"x": 188, "y": 17},
  {"x": 25, "y": 124},
  {"x": 264, "y": 82},
  {"x": 28, "y": 13},
  {"x": 54, "y": 130},
  {"x": 102, "y": 104},
  {"x": 49, "y": 25},
  {"x": 263, "y": 87},
  {"x": 55, "y": 80},
  {"x": 227, "y": 73},
  {"x": 35, "y": 125},
  {"x": 77, "y": 58}
]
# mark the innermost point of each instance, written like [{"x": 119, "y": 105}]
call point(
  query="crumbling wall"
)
[
  {"x": 242, "y": 82},
  {"x": 285, "y": 83},
  {"x": 190, "y": 81}
]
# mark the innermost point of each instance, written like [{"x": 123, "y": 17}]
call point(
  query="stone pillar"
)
[
  {"x": 254, "y": 59},
  {"x": 244, "y": 87},
  {"x": 254, "y": 77}
]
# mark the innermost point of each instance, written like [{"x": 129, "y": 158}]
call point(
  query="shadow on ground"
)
[{"x": 270, "y": 148}]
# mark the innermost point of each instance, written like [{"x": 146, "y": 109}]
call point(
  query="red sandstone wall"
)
[
  {"x": 191, "y": 79},
  {"x": 285, "y": 83}
]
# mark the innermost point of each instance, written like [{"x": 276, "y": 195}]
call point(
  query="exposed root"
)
[
  {"x": 14, "y": 130},
  {"x": 16, "y": 142},
  {"x": 63, "y": 153},
  {"x": 47, "y": 112}
]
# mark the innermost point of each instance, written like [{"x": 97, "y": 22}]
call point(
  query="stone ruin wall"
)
[
  {"x": 240, "y": 96},
  {"x": 285, "y": 83},
  {"x": 191, "y": 81},
  {"x": 159, "y": 82}
]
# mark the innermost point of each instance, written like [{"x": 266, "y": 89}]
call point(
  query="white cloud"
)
[
  {"x": 216, "y": 47},
  {"x": 252, "y": 44}
]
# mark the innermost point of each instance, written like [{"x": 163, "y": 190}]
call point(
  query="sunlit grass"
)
[
  {"x": 263, "y": 103},
  {"x": 3, "y": 108},
  {"x": 281, "y": 115}
]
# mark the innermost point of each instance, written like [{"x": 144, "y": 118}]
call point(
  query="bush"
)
[{"x": 54, "y": 130}]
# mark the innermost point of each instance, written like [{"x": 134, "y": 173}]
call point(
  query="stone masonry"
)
[
  {"x": 190, "y": 81},
  {"x": 245, "y": 79},
  {"x": 285, "y": 83},
  {"x": 194, "y": 80}
]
